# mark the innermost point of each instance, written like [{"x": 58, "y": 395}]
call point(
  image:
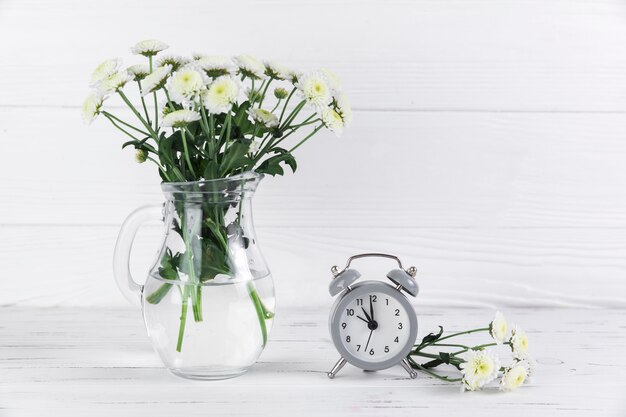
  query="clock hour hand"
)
[
  {"x": 369, "y": 319},
  {"x": 366, "y": 321}
]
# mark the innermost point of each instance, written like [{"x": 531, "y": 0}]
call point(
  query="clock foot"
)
[
  {"x": 407, "y": 367},
  {"x": 340, "y": 363}
]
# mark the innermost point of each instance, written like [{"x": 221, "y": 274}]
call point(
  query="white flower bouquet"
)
[
  {"x": 478, "y": 366},
  {"x": 204, "y": 118}
]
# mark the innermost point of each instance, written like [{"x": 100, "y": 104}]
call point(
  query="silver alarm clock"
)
[{"x": 372, "y": 323}]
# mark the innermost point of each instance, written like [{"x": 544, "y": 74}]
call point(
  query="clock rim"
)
[{"x": 369, "y": 287}]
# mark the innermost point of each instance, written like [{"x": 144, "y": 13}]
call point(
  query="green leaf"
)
[
  {"x": 272, "y": 165},
  {"x": 235, "y": 158},
  {"x": 432, "y": 337}
]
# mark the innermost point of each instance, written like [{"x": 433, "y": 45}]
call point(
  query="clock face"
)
[{"x": 374, "y": 326}]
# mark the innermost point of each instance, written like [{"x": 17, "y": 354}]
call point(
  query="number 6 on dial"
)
[{"x": 372, "y": 323}]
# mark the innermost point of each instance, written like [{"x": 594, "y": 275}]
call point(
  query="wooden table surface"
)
[{"x": 99, "y": 362}]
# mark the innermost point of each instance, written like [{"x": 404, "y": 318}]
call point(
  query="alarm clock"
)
[{"x": 372, "y": 323}]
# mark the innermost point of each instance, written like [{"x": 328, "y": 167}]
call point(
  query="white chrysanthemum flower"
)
[
  {"x": 343, "y": 108},
  {"x": 156, "y": 80},
  {"x": 175, "y": 61},
  {"x": 314, "y": 89},
  {"x": 513, "y": 378},
  {"x": 92, "y": 106},
  {"x": 498, "y": 328},
  {"x": 333, "y": 80},
  {"x": 276, "y": 71},
  {"x": 114, "y": 82},
  {"x": 185, "y": 85},
  {"x": 139, "y": 71},
  {"x": 221, "y": 94},
  {"x": 333, "y": 121},
  {"x": 216, "y": 66},
  {"x": 180, "y": 118},
  {"x": 250, "y": 66},
  {"x": 148, "y": 47},
  {"x": 293, "y": 76},
  {"x": 265, "y": 117},
  {"x": 479, "y": 369},
  {"x": 104, "y": 71},
  {"x": 519, "y": 343}
]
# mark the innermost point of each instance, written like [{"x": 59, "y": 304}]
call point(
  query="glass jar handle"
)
[{"x": 123, "y": 247}]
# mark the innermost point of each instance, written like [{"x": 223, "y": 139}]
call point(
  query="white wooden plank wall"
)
[{"x": 488, "y": 145}]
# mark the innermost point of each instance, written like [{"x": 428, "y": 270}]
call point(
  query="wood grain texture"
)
[
  {"x": 99, "y": 362},
  {"x": 71, "y": 265},
  {"x": 514, "y": 55},
  {"x": 389, "y": 170}
]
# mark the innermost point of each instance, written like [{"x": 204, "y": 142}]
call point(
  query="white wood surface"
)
[
  {"x": 487, "y": 147},
  {"x": 98, "y": 362}
]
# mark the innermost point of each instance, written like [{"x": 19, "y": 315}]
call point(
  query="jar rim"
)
[{"x": 246, "y": 176}]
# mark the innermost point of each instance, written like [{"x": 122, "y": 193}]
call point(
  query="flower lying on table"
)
[{"x": 478, "y": 366}]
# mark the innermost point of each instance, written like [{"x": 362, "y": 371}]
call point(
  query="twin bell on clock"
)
[{"x": 372, "y": 323}]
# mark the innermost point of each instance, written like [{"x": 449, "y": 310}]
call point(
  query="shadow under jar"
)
[{"x": 208, "y": 302}]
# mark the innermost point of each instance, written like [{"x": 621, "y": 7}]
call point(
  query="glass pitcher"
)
[{"x": 208, "y": 300}]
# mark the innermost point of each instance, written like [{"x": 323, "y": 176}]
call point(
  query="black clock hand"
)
[
  {"x": 369, "y": 319},
  {"x": 371, "y": 309},
  {"x": 368, "y": 340},
  {"x": 366, "y": 321}
]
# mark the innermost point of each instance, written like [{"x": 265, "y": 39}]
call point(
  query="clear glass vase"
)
[{"x": 208, "y": 301}]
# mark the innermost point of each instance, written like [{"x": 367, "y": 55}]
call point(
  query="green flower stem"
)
[
  {"x": 478, "y": 347},
  {"x": 293, "y": 114},
  {"x": 306, "y": 138},
  {"x": 167, "y": 177},
  {"x": 156, "y": 106},
  {"x": 183, "y": 319},
  {"x": 134, "y": 110},
  {"x": 305, "y": 122},
  {"x": 182, "y": 131},
  {"x": 431, "y": 373},
  {"x": 124, "y": 123},
  {"x": 277, "y": 104},
  {"x": 260, "y": 309},
  {"x": 120, "y": 128},
  {"x": 225, "y": 133},
  {"x": 282, "y": 113},
  {"x": 205, "y": 123},
  {"x": 484, "y": 329},
  {"x": 143, "y": 103},
  {"x": 169, "y": 100},
  {"x": 269, "y": 81}
]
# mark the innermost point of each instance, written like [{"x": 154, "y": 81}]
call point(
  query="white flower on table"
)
[
  {"x": 343, "y": 108},
  {"x": 513, "y": 377},
  {"x": 221, "y": 94},
  {"x": 479, "y": 369},
  {"x": 155, "y": 80},
  {"x": 139, "y": 71},
  {"x": 250, "y": 66},
  {"x": 519, "y": 343},
  {"x": 148, "y": 47},
  {"x": 498, "y": 328},
  {"x": 185, "y": 85},
  {"x": 180, "y": 118},
  {"x": 314, "y": 89},
  {"x": 92, "y": 106},
  {"x": 332, "y": 121},
  {"x": 265, "y": 117},
  {"x": 104, "y": 70},
  {"x": 216, "y": 66},
  {"x": 114, "y": 82}
]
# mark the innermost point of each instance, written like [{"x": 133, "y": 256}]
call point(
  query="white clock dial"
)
[{"x": 374, "y": 327}]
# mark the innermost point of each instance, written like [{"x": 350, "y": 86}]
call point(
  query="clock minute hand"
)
[
  {"x": 371, "y": 309},
  {"x": 369, "y": 319}
]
